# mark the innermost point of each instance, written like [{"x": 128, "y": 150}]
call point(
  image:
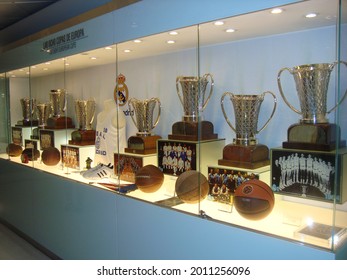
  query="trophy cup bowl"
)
[
  {"x": 312, "y": 82},
  {"x": 192, "y": 95},
  {"x": 245, "y": 150},
  {"x": 43, "y": 114},
  {"x": 144, "y": 142},
  {"x": 85, "y": 112},
  {"x": 28, "y": 110}
]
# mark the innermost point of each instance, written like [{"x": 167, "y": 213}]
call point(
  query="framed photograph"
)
[
  {"x": 17, "y": 135},
  {"x": 176, "y": 157},
  {"x": 125, "y": 166},
  {"x": 46, "y": 139},
  {"x": 223, "y": 182},
  {"x": 307, "y": 174},
  {"x": 30, "y": 144},
  {"x": 70, "y": 157}
]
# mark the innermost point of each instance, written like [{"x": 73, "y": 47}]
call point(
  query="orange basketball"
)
[
  {"x": 149, "y": 178},
  {"x": 191, "y": 186},
  {"x": 14, "y": 150},
  {"x": 254, "y": 199},
  {"x": 31, "y": 153},
  {"x": 50, "y": 156}
]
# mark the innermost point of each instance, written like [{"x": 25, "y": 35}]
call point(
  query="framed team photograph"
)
[
  {"x": 70, "y": 157},
  {"x": 17, "y": 135},
  {"x": 126, "y": 166},
  {"x": 46, "y": 139},
  {"x": 306, "y": 174}
]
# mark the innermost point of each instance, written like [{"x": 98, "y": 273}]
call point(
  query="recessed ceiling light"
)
[
  {"x": 310, "y": 15},
  {"x": 47, "y": 63},
  {"x": 276, "y": 11},
  {"x": 173, "y": 33},
  {"x": 230, "y": 30},
  {"x": 92, "y": 57},
  {"x": 137, "y": 41},
  {"x": 45, "y": 69},
  {"x": 218, "y": 22},
  {"x": 108, "y": 48},
  {"x": 127, "y": 51},
  {"x": 171, "y": 42}
]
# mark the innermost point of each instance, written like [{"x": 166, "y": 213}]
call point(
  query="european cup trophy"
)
[
  {"x": 28, "y": 110},
  {"x": 313, "y": 132},
  {"x": 194, "y": 94},
  {"x": 58, "y": 102},
  {"x": 85, "y": 113},
  {"x": 43, "y": 111},
  {"x": 245, "y": 151},
  {"x": 143, "y": 118}
]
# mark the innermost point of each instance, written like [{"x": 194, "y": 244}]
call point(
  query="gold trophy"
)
[
  {"x": 85, "y": 112},
  {"x": 144, "y": 142},
  {"x": 58, "y": 106},
  {"x": 192, "y": 95},
  {"x": 245, "y": 151},
  {"x": 313, "y": 132}
]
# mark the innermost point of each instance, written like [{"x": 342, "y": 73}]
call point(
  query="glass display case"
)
[{"x": 241, "y": 120}]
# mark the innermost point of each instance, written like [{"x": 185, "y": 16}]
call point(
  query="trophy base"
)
[
  {"x": 250, "y": 157},
  {"x": 192, "y": 131},
  {"x": 27, "y": 123},
  {"x": 82, "y": 137},
  {"x": 318, "y": 137},
  {"x": 59, "y": 123},
  {"x": 142, "y": 144}
]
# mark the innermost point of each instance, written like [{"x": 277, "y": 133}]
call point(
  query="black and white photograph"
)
[{"x": 304, "y": 174}]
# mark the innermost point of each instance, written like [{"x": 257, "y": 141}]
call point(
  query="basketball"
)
[
  {"x": 149, "y": 178},
  {"x": 14, "y": 150},
  {"x": 254, "y": 199},
  {"x": 191, "y": 186},
  {"x": 50, "y": 156},
  {"x": 31, "y": 153}
]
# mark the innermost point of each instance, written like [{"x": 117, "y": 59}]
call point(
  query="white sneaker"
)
[{"x": 98, "y": 172}]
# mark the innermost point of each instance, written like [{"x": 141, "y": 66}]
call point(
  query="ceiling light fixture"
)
[
  {"x": 276, "y": 11},
  {"x": 173, "y": 33},
  {"x": 218, "y": 23},
  {"x": 230, "y": 30},
  {"x": 171, "y": 42},
  {"x": 127, "y": 51},
  {"x": 108, "y": 48},
  {"x": 311, "y": 15},
  {"x": 137, "y": 41}
]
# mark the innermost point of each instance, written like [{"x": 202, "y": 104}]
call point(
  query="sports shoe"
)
[{"x": 98, "y": 172}]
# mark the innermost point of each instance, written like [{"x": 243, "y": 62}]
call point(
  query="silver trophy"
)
[
  {"x": 143, "y": 111},
  {"x": 58, "y": 102},
  {"x": 246, "y": 110},
  {"x": 85, "y": 112},
  {"x": 28, "y": 108},
  {"x": 312, "y": 81},
  {"x": 43, "y": 111},
  {"x": 193, "y": 95}
]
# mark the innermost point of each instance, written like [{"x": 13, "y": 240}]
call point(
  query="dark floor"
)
[{"x": 13, "y": 247}]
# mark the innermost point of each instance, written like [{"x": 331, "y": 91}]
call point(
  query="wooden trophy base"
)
[
  {"x": 250, "y": 157},
  {"x": 59, "y": 123},
  {"x": 142, "y": 144},
  {"x": 318, "y": 137},
  {"x": 27, "y": 123},
  {"x": 192, "y": 131},
  {"x": 83, "y": 137}
]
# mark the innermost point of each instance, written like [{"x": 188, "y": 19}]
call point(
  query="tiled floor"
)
[{"x": 13, "y": 247}]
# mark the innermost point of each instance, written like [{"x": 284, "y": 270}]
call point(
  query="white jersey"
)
[{"x": 108, "y": 137}]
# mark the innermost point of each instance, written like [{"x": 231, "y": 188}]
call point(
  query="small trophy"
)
[
  {"x": 43, "y": 111},
  {"x": 28, "y": 110},
  {"x": 85, "y": 112},
  {"x": 58, "y": 106},
  {"x": 313, "y": 132},
  {"x": 144, "y": 142},
  {"x": 192, "y": 94},
  {"x": 245, "y": 151}
]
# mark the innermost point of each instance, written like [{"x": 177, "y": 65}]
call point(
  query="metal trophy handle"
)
[
  {"x": 211, "y": 89},
  {"x": 344, "y": 96},
  {"x": 224, "y": 113},
  {"x": 273, "y": 110},
  {"x": 157, "y": 101}
]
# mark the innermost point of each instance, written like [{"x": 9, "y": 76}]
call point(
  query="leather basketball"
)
[
  {"x": 14, "y": 150},
  {"x": 31, "y": 153},
  {"x": 191, "y": 186},
  {"x": 149, "y": 178},
  {"x": 50, "y": 156},
  {"x": 254, "y": 199}
]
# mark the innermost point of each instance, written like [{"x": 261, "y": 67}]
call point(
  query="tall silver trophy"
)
[
  {"x": 28, "y": 111},
  {"x": 245, "y": 151},
  {"x": 43, "y": 111},
  {"x": 142, "y": 114},
  {"x": 85, "y": 113},
  {"x": 58, "y": 101},
  {"x": 194, "y": 94},
  {"x": 313, "y": 130}
]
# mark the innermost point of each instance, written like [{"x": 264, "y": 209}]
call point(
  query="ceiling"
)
[
  {"x": 12, "y": 12},
  {"x": 252, "y": 25}
]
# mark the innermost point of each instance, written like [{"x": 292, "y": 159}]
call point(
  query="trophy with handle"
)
[
  {"x": 28, "y": 110},
  {"x": 58, "y": 101},
  {"x": 142, "y": 114},
  {"x": 85, "y": 113},
  {"x": 245, "y": 151},
  {"x": 313, "y": 132},
  {"x": 194, "y": 94}
]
